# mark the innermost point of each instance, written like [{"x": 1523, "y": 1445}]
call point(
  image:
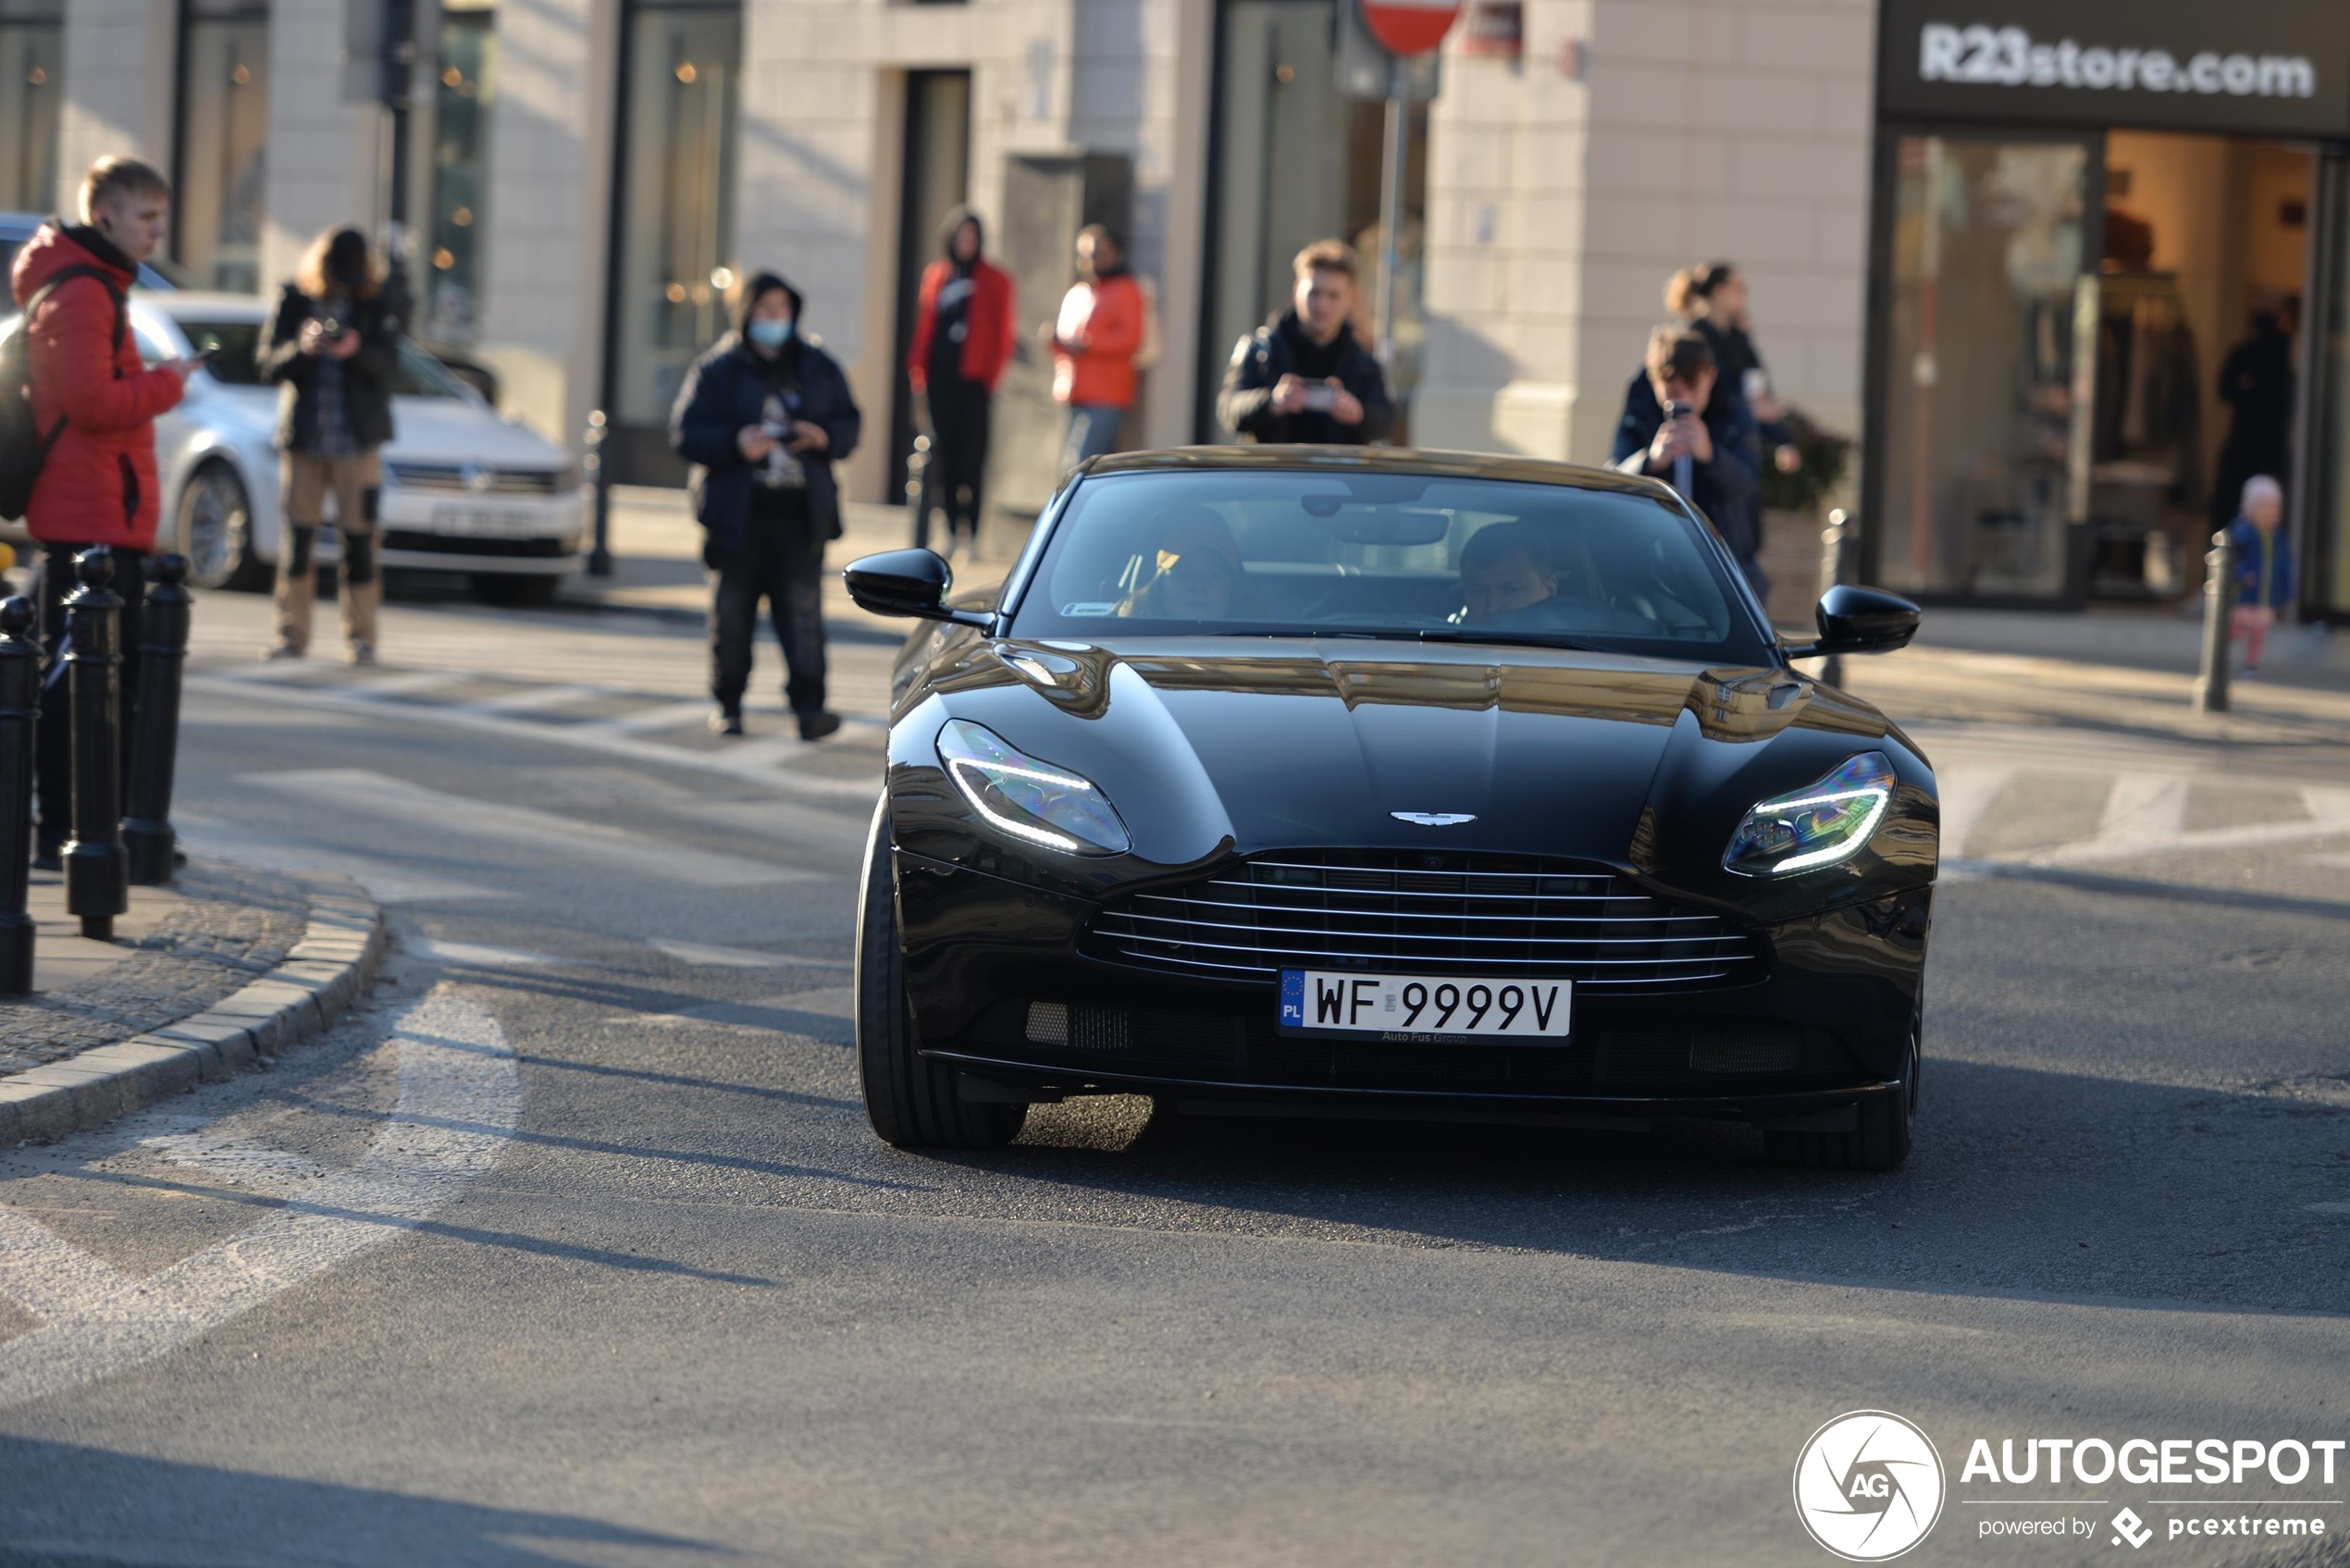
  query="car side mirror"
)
[
  {"x": 1858, "y": 620},
  {"x": 908, "y": 581}
]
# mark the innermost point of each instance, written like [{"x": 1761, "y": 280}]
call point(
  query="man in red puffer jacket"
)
[{"x": 98, "y": 485}]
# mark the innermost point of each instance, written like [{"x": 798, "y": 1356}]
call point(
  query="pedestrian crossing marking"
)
[{"x": 357, "y": 789}]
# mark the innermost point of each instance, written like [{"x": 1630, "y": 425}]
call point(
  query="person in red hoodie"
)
[
  {"x": 1093, "y": 343},
  {"x": 963, "y": 337},
  {"x": 98, "y": 484}
]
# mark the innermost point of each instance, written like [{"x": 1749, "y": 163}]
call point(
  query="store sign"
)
[{"x": 2279, "y": 67}]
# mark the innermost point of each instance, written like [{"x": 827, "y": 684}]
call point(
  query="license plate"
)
[
  {"x": 488, "y": 522},
  {"x": 1352, "y": 1002}
]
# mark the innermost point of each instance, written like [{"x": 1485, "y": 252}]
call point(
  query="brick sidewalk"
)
[{"x": 180, "y": 950}]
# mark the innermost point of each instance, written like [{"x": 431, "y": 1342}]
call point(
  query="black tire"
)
[
  {"x": 213, "y": 527},
  {"x": 512, "y": 590},
  {"x": 1881, "y": 1140},
  {"x": 911, "y": 1101}
]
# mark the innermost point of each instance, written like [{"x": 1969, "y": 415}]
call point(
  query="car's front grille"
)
[
  {"x": 1413, "y": 912},
  {"x": 541, "y": 548},
  {"x": 464, "y": 479}
]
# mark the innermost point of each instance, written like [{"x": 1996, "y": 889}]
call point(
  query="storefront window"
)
[
  {"x": 1296, "y": 161},
  {"x": 1985, "y": 439},
  {"x": 31, "y": 35},
  {"x": 463, "y": 97},
  {"x": 224, "y": 135},
  {"x": 677, "y": 229}
]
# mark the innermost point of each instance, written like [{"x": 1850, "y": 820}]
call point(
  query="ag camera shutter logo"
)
[{"x": 1869, "y": 1485}]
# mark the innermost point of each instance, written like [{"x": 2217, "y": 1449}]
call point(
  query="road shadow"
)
[
  {"x": 2023, "y": 1182},
  {"x": 68, "y": 1506}
]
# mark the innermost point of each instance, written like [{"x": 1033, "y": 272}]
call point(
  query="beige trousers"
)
[{"x": 303, "y": 484}]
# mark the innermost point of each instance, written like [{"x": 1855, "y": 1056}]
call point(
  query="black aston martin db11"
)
[{"x": 1385, "y": 782}]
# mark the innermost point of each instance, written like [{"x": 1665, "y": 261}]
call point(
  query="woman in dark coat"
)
[
  {"x": 334, "y": 353},
  {"x": 763, "y": 417}
]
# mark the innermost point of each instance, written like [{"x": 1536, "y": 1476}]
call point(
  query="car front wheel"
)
[
  {"x": 216, "y": 532},
  {"x": 911, "y": 1100},
  {"x": 1879, "y": 1138}
]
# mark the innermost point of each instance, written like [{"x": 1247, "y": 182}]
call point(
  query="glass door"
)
[
  {"x": 1986, "y": 367},
  {"x": 676, "y": 222}
]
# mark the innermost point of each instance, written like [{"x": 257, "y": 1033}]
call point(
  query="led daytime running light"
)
[
  {"x": 1028, "y": 799},
  {"x": 1820, "y": 826}
]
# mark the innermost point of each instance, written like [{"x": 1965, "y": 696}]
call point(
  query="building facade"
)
[{"x": 583, "y": 178}]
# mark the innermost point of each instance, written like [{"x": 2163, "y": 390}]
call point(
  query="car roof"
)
[{"x": 1378, "y": 460}]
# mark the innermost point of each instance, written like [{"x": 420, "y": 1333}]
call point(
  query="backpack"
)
[{"x": 23, "y": 449}]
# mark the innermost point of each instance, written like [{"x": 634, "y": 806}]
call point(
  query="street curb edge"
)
[{"x": 318, "y": 982}]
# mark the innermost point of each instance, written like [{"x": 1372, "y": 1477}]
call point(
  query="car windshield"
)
[
  {"x": 1404, "y": 556},
  {"x": 238, "y": 363}
]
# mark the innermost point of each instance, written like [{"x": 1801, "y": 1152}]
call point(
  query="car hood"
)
[
  {"x": 449, "y": 430},
  {"x": 1207, "y": 748}
]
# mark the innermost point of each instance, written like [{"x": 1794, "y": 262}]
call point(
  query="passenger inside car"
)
[
  {"x": 1195, "y": 569},
  {"x": 1499, "y": 573}
]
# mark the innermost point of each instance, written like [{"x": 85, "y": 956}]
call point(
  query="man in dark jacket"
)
[
  {"x": 763, "y": 417},
  {"x": 1681, "y": 425},
  {"x": 1303, "y": 375},
  {"x": 97, "y": 403},
  {"x": 334, "y": 351}
]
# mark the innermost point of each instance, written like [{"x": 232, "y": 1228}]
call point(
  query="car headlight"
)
[
  {"x": 1815, "y": 826},
  {"x": 1028, "y": 800}
]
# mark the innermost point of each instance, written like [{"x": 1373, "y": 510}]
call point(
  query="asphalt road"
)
[{"x": 575, "y": 1246}]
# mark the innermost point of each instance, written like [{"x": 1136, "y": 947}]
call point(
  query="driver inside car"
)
[
  {"x": 1195, "y": 570},
  {"x": 1499, "y": 575}
]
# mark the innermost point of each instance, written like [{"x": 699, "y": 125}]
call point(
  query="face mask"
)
[{"x": 769, "y": 334}]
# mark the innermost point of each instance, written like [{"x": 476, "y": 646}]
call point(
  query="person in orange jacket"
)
[
  {"x": 1093, "y": 343},
  {"x": 964, "y": 335}
]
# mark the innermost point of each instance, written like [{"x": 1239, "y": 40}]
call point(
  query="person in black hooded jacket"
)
[
  {"x": 763, "y": 417},
  {"x": 1304, "y": 375}
]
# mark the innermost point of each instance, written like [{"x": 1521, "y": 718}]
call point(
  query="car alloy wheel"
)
[
  {"x": 215, "y": 530},
  {"x": 912, "y": 1100}
]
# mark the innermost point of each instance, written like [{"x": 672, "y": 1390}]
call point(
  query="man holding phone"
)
[
  {"x": 94, "y": 407},
  {"x": 1682, "y": 426},
  {"x": 1305, "y": 377},
  {"x": 763, "y": 417}
]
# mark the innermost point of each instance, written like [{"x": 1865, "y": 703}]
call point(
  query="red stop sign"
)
[{"x": 1409, "y": 27}]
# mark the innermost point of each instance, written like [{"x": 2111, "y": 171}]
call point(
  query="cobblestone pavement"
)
[{"x": 230, "y": 926}]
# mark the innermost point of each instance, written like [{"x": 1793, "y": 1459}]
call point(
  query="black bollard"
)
[
  {"x": 918, "y": 489},
  {"x": 97, "y": 884},
  {"x": 155, "y": 739},
  {"x": 2219, "y": 606},
  {"x": 1836, "y": 543},
  {"x": 20, "y": 720}
]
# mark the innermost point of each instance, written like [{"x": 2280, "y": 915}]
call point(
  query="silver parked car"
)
[{"x": 464, "y": 490}]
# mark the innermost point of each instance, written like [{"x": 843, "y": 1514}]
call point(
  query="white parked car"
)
[{"x": 464, "y": 490}]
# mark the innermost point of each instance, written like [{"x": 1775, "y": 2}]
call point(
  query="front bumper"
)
[
  {"x": 540, "y": 535},
  {"x": 1822, "y": 1021}
]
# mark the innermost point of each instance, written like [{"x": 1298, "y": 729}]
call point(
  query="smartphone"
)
[
  {"x": 1679, "y": 410},
  {"x": 1758, "y": 383},
  {"x": 1322, "y": 399}
]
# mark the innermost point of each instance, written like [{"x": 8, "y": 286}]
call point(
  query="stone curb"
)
[{"x": 316, "y": 984}]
